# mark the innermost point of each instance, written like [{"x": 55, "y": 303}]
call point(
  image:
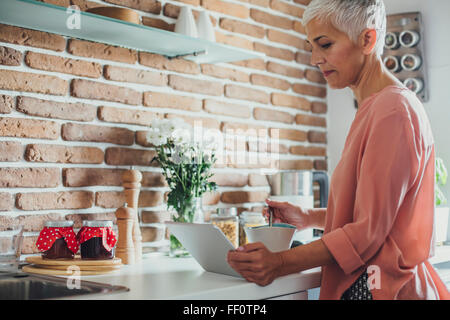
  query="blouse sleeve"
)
[{"x": 387, "y": 170}]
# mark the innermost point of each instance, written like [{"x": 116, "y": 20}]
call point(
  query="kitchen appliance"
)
[{"x": 296, "y": 187}]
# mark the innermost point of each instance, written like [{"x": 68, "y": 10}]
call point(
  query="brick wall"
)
[{"x": 73, "y": 114}]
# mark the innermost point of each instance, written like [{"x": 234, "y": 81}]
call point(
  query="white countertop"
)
[{"x": 161, "y": 277}]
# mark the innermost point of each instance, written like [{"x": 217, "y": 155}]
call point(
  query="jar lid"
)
[
  {"x": 58, "y": 224},
  {"x": 97, "y": 223},
  {"x": 252, "y": 216},
  {"x": 227, "y": 211}
]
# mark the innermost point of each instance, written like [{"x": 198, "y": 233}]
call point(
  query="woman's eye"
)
[{"x": 326, "y": 46}]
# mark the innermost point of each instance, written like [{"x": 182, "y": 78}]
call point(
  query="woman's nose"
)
[{"x": 316, "y": 58}]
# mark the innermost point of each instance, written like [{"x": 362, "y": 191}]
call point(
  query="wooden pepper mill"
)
[
  {"x": 125, "y": 246},
  {"x": 132, "y": 184}
]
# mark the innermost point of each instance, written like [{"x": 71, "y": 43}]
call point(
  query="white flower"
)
[{"x": 155, "y": 137}]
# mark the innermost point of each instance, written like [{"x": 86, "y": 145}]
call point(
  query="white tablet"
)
[{"x": 206, "y": 243}]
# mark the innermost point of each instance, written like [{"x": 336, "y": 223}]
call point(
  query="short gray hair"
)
[{"x": 351, "y": 17}]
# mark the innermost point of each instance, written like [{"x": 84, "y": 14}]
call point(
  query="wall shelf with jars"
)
[{"x": 404, "y": 52}]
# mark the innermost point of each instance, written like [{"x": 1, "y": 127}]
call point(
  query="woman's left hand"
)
[{"x": 255, "y": 263}]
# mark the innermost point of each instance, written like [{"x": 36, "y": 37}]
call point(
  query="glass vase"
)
[{"x": 191, "y": 212}]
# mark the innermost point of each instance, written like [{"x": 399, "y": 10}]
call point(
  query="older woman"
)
[{"x": 378, "y": 227}]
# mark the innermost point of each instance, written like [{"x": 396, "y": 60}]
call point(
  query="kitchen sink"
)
[{"x": 23, "y": 286}]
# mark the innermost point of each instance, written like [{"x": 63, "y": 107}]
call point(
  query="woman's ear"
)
[{"x": 367, "y": 40}]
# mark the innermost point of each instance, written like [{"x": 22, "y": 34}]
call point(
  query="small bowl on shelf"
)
[{"x": 117, "y": 13}]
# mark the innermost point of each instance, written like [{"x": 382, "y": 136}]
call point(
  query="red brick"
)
[
  {"x": 285, "y": 70},
  {"x": 268, "y": 81},
  {"x": 101, "y": 51},
  {"x": 319, "y": 107},
  {"x": 243, "y": 129},
  {"x": 272, "y": 115},
  {"x": 287, "y": 8},
  {"x": 303, "y": 2},
  {"x": 135, "y": 76},
  {"x": 275, "y": 52},
  {"x": 55, "y": 200},
  {"x": 6, "y": 202},
  {"x": 101, "y": 91},
  {"x": 58, "y": 110},
  {"x": 242, "y": 27},
  {"x": 261, "y": 3},
  {"x": 210, "y": 198},
  {"x": 224, "y": 73},
  {"x": 202, "y": 122},
  {"x": 310, "y": 90},
  {"x": 244, "y": 196},
  {"x": 84, "y": 177},
  {"x": 157, "y": 61},
  {"x": 270, "y": 19},
  {"x": 285, "y": 100},
  {"x": 246, "y": 93},
  {"x": 267, "y": 146},
  {"x": 93, "y": 133},
  {"x": 303, "y": 58},
  {"x": 258, "y": 64},
  {"x": 228, "y": 8},
  {"x": 230, "y": 179},
  {"x": 155, "y": 216},
  {"x": 308, "y": 151},
  {"x": 7, "y": 103},
  {"x": 298, "y": 27},
  {"x": 285, "y": 38},
  {"x": 129, "y": 157},
  {"x": 63, "y": 154},
  {"x": 117, "y": 115},
  {"x": 234, "y": 41},
  {"x": 35, "y": 222},
  {"x": 288, "y": 134},
  {"x": 152, "y": 6},
  {"x": 310, "y": 120},
  {"x": 195, "y": 86},
  {"x": 153, "y": 179},
  {"x": 32, "y": 82},
  {"x": 226, "y": 109},
  {"x": 64, "y": 65},
  {"x": 321, "y": 165},
  {"x": 10, "y": 151},
  {"x": 30, "y": 177},
  {"x": 167, "y": 100},
  {"x": 115, "y": 199},
  {"x": 29, "y": 128},
  {"x": 317, "y": 136},
  {"x": 295, "y": 165},
  {"x": 31, "y": 38},
  {"x": 191, "y": 2},
  {"x": 10, "y": 56}
]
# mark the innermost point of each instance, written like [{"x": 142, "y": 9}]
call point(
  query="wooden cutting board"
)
[{"x": 61, "y": 267}]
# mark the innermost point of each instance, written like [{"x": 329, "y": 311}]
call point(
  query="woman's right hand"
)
[{"x": 288, "y": 213}]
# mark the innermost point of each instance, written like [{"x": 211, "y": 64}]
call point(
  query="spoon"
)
[{"x": 271, "y": 216}]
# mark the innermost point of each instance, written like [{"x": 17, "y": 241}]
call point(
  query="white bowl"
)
[{"x": 277, "y": 238}]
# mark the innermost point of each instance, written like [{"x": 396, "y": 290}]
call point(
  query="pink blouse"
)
[{"x": 381, "y": 206}]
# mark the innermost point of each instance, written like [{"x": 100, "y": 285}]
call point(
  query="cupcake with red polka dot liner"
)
[{"x": 57, "y": 240}]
